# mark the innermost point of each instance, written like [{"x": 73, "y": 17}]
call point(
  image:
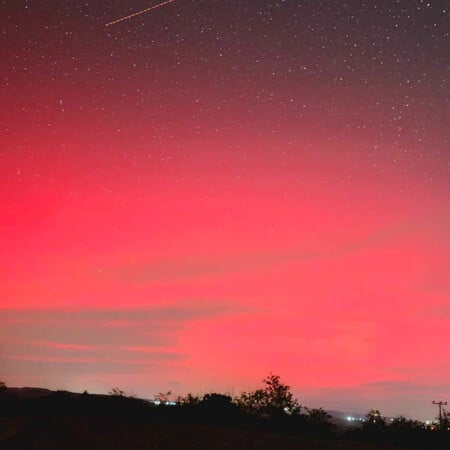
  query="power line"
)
[{"x": 440, "y": 404}]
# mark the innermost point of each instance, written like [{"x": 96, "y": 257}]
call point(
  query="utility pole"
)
[{"x": 440, "y": 404}]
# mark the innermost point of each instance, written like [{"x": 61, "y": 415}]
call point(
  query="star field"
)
[{"x": 280, "y": 168}]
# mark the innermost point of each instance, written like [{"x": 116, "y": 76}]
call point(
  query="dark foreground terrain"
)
[
  {"x": 119, "y": 434},
  {"x": 37, "y": 419}
]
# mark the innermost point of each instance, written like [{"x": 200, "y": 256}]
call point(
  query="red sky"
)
[{"x": 195, "y": 228}]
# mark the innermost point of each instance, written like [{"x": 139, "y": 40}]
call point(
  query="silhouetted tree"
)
[
  {"x": 401, "y": 423},
  {"x": 319, "y": 420},
  {"x": 163, "y": 397},
  {"x": 116, "y": 392},
  {"x": 374, "y": 421},
  {"x": 445, "y": 426},
  {"x": 2, "y": 386},
  {"x": 188, "y": 400},
  {"x": 216, "y": 400},
  {"x": 218, "y": 407},
  {"x": 274, "y": 399}
]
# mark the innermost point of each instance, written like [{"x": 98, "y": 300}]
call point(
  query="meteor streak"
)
[{"x": 139, "y": 13}]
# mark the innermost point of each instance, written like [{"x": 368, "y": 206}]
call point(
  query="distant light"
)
[{"x": 164, "y": 402}]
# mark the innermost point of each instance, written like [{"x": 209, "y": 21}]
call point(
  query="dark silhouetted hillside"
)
[{"x": 39, "y": 419}]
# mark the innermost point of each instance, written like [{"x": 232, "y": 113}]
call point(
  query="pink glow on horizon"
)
[{"x": 312, "y": 287}]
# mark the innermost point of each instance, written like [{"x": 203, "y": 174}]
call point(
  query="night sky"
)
[{"x": 216, "y": 189}]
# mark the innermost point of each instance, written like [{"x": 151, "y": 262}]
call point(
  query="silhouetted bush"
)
[
  {"x": 402, "y": 424},
  {"x": 115, "y": 391},
  {"x": 374, "y": 422},
  {"x": 319, "y": 421},
  {"x": 272, "y": 408},
  {"x": 275, "y": 399},
  {"x": 188, "y": 400}
]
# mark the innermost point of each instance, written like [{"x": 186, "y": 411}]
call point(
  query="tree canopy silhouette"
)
[
  {"x": 274, "y": 399},
  {"x": 374, "y": 421}
]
